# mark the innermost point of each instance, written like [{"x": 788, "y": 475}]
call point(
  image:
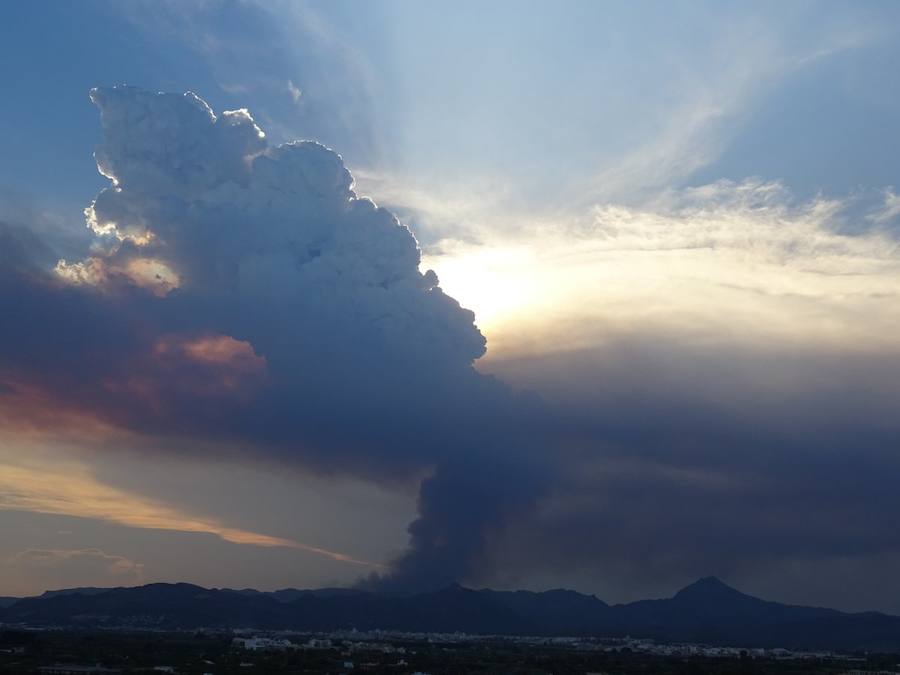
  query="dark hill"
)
[{"x": 707, "y": 611}]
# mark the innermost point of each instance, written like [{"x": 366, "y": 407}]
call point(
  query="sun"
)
[{"x": 491, "y": 281}]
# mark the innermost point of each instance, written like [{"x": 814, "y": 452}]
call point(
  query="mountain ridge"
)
[{"x": 707, "y": 611}]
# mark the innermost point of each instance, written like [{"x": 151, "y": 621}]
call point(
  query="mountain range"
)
[{"x": 707, "y": 611}]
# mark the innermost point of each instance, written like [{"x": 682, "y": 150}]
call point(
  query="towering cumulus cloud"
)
[{"x": 243, "y": 293}]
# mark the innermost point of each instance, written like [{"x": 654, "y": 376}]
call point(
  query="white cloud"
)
[
  {"x": 294, "y": 91},
  {"x": 711, "y": 260},
  {"x": 889, "y": 210},
  {"x": 50, "y": 484}
]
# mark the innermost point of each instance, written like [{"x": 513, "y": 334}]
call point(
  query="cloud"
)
[
  {"x": 888, "y": 212},
  {"x": 69, "y": 489},
  {"x": 708, "y": 260},
  {"x": 682, "y": 457},
  {"x": 242, "y": 293},
  {"x": 209, "y": 236},
  {"x": 294, "y": 91}
]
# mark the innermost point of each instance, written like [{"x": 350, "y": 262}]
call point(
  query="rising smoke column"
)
[{"x": 242, "y": 292}]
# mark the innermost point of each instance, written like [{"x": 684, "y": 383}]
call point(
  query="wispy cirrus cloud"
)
[
  {"x": 889, "y": 211},
  {"x": 706, "y": 261},
  {"x": 58, "y": 487}
]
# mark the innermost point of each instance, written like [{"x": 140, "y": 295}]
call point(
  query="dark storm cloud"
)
[
  {"x": 732, "y": 459},
  {"x": 243, "y": 292}
]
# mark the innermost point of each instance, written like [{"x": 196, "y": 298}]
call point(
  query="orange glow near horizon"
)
[{"x": 66, "y": 488}]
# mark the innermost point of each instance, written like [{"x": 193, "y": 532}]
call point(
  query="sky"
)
[{"x": 601, "y": 296}]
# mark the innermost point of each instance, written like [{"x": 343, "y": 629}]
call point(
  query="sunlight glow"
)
[
  {"x": 723, "y": 259},
  {"x": 494, "y": 282},
  {"x": 68, "y": 489}
]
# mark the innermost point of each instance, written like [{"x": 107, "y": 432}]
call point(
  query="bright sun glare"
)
[{"x": 494, "y": 282}]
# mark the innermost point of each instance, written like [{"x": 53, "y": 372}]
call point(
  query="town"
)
[{"x": 65, "y": 651}]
